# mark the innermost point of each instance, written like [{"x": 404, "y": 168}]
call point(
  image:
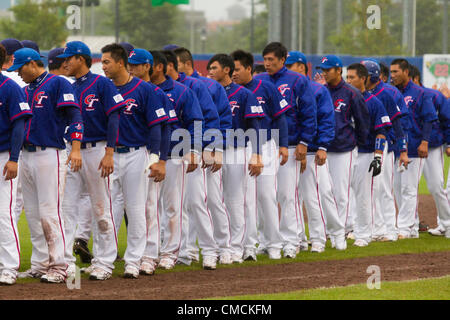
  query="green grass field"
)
[{"x": 428, "y": 289}]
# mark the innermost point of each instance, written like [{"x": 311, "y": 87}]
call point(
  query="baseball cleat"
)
[
  {"x": 438, "y": 232},
  {"x": 235, "y": 258},
  {"x": 303, "y": 246},
  {"x": 209, "y": 263},
  {"x": 87, "y": 270},
  {"x": 131, "y": 272},
  {"x": 225, "y": 258},
  {"x": 80, "y": 247},
  {"x": 99, "y": 274},
  {"x": 317, "y": 247},
  {"x": 290, "y": 253},
  {"x": 423, "y": 227},
  {"x": 166, "y": 263},
  {"x": 7, "y": 278},
  {"x": 340, "y": 243},
  {"x": 447, "y": 234},
  {"x": 52, "y": 277},
  {"x": 249, "y": 255},
  {"x": 361, "y": 243},
  {"x": 274, "y": 254},
  {"x": 147, "y": 268},
  {"x": 30, "y": 273},
  {"x": 350, "y": 236}
]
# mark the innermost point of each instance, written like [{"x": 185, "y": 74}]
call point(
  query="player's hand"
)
[
  {"x": 300, "y": 152},
  {"x": 256, "y": 165},
  {"x": 284, "y": 155},
  {"x": 375, "y": 165},
  {"x": 10, "y": 170},
  {"x": 422, "y": 150},
  {"x": 74, "y": 159},
  {"x": 318, "y": 77},
  {"x": 107, "y": 163},
  {"x": 447, "y": 151},
  {"x": 192, "y": 161},
  {"x": 321, "y": 157},
  {"x": 303, "y": 165},
  {"x": 404, "y": 160},
  {"x": 218, "y": 161},
  {"x": 208, "y": 159},
  {"x": 158, "y": 171}
]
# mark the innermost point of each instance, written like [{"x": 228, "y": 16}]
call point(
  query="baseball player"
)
[
  {"x": 302, "y": 127},
  {"x": 434, "y": 164},
  {"x": 407, "y": 181},
  {"x": 11, "y": 46},
  {"x": 352, "y": 129},
  {"x": 14, "y": 112},
  {"x": 238, "y": 177},
  {"x": 140, "y": 65},
  {"x": 368, "y": 164},
  {"x": 274, "y": 107},
  {"x": 53, "y": 103},
  {"x": 384, "y": 224},
  {"x": 172, "y": 196},
  {"x": 215, "y": 201},
  {"x": 139, "y": 126},
  {"x": 196, "y": 210},
  {"x": 319, "y": 200},
  {"x": 100, "y": 104}
]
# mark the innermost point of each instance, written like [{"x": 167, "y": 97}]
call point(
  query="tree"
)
[
  {"x": 40, "y": 22},
  {"x": 146, "y": 26}
]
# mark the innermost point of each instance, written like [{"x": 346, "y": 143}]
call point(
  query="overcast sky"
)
[{"x": 216, "y": 9}]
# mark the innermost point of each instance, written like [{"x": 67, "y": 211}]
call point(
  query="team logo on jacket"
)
[
  {"x": 130, "y": 103},
  {"x": 283, "y": 88},
  {"x": 338, "y": 104},
  {"x": 39, "y": 98},
  {"x": 233, "y": 105},
  {"x": 89, "y": 101},
  {"x": 408, "y": 100},
  {"x": 169, "y": 95},
  {"x": 261, "y": 100}
]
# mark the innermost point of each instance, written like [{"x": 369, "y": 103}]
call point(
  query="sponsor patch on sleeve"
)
[
  {"x": 160, "y": 112},
  {"x": 385, "y": 119},
  {"x": 283, "y": 103},
  {"x": 256, "y": 109},
  {"x": 69, "y": 97},
  {"x": 118, "y": 98},
  {"x": 172, "y": 113},
  {"x": 24, "y": 106}
]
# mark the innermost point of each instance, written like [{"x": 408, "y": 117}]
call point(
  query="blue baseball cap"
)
[
  {"x": 53, "y": 55},
  {"x": 170, "y": 47},
  {"x": 330, "y": 61},
  {"x": 296, "y": 56},
  {"x": 140, "y": 56},
  {"x": 127, "y": 46},
  {"x": 73, "y": 48},
  {"x": 23, "y": 56},
  {"x": 11, "y": 45}
]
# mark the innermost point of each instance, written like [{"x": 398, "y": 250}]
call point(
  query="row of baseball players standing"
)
[{"x": 226, "y": 226}]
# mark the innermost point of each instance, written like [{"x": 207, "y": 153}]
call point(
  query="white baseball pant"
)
[
  {"x": 18, "y": 204},
  {"x": 385, "y": 212},
  {"x": 433, "y": 170},
  {"x": 266, "y": 185},
  {"x": 153, "y": 244},
  {"x": 235, "y": 180},
  {"x": 9, "y": 236},
  {"x": 365, "y": 187},
  {"x": 130, "y": 182},
  {"x": 407, "y": 185},
  {"x": 84, "y": 219},
  {"x": 198, "y": 218},
  {"x": 340, "y": 165},
  {"x": 98, "y": 188},
  {"x": 172, "y": 198},
  {"x": 219, "y": 212},
  {"x": 287, "y": 196},
  {"x": 320, "y": 203},
  {"x": 42, "y": 175}
]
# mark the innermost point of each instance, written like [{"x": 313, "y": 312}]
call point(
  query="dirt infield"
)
[
  {"x": 241, "y": 280},
  {"x": 249, "y": 279}
]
